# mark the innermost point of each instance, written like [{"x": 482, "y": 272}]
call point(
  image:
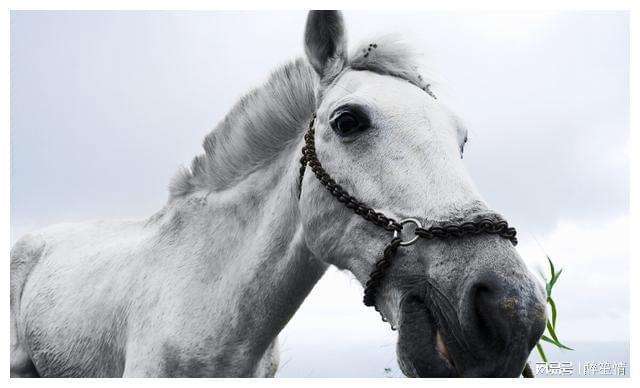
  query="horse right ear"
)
[{"x": 325, "y": 42}]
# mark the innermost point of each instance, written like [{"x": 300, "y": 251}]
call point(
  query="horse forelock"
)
[
  {"x": 269, "y": 118},
  {"x": 390, "y": 55}
]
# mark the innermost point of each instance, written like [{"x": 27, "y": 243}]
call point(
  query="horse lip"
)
[{"x": 443, "y": 351}]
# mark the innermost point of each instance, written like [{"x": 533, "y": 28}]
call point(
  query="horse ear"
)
[{"x": 325, "y": 42}]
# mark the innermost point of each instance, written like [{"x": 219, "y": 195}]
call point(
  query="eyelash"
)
[{"x": 357, "y": 116}]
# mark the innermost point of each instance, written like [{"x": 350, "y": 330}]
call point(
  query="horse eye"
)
[{"x": 345, "y": 124}]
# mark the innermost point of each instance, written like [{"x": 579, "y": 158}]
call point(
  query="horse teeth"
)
[{"x": 441, "y": 347}]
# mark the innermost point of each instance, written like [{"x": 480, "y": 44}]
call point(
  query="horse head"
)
[{"x": 463, "y": 306}]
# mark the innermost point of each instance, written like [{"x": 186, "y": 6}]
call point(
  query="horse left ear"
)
[{"x": 325, "y": 42}]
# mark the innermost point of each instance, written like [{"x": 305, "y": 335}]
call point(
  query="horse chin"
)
[{"x": 421, "y": 350}]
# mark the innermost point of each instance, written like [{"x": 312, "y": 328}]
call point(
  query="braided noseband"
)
[{"x": 443, "y": 231}]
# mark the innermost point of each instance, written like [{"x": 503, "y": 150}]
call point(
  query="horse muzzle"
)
[{"x": 488, "y": 332}]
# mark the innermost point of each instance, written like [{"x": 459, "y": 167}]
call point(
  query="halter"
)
[{"x": 441, "y": 231}]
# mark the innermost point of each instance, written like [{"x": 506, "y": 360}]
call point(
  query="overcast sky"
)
[{"x": 106, "y": 106}]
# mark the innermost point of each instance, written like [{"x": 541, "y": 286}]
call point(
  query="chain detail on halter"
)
[
  {"x": 442, "y": 231},
  {"x": 310, "y": 158}
]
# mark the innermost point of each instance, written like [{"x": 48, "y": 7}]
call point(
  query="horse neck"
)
[{"x": 266, "y": 268}]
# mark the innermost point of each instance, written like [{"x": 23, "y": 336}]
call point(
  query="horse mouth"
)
[
  {"x": 443, "y": 351},
  {"x": 431, "y": 343},
  {"x": 423, "y": 349}
]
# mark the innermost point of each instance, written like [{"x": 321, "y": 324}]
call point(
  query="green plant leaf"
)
[
  {"x": 563, "y": 346},
  {"x": 554, "y": 311},
  {"x": 553, "y": 269},
  {"x": 548, "y": 288},
  {"x": 541, "y": 352},
  {"x": 550, "y": 335},
  {"x": 551, "y": 331},
  {"x": 556, "y": 342},
  {"x": 554, "y": 279}
]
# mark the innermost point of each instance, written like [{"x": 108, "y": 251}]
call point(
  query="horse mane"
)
[{"x": 269, "y": 118}]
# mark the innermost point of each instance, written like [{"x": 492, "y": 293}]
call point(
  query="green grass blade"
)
[
  {"x": 554, "y": 311},
  {"x": 547, "y": 339},
  {"x": 554, "y": 279},
  {"x": 552, "y": 337},
  {"x": 552, "y": 332},
  {"x": 548, "y": 288},
  {"x": 562, "y": 346},
  {"x": 541, "y": 352},
  {"x": 553, "y": 269}
]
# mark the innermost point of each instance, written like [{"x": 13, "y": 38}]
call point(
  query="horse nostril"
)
[{"x": 491, "y": 311}]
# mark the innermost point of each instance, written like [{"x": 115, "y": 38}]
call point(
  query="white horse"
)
[{"x": 204, "y": 286}]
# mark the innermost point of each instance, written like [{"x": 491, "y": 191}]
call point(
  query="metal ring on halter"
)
[{"x": 415, "y": 238}]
